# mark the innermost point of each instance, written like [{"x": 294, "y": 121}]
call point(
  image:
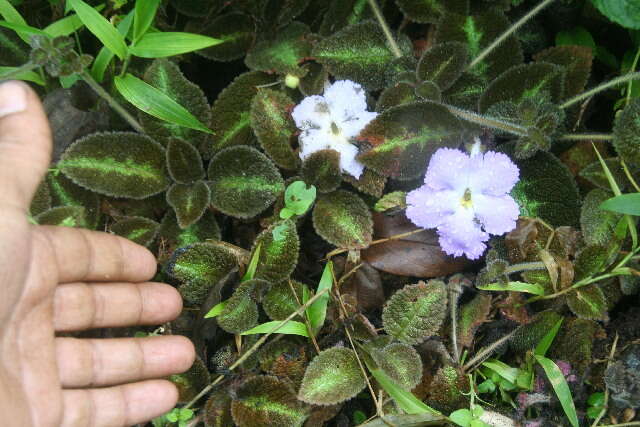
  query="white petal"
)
[
  {"x": 497, "y": 214},
  {"x": 346, "y": 100},
  {"x": 461, "y": 235},
  {"x": 352, "y": 128},
  {"x": 312, "y": 113},
  {"x": 492, "y": 174},
  {"x": 348, "y": 162},
  {"x": 313, "y": 140}
]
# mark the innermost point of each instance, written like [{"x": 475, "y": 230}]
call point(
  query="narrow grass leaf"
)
[
  {"x": 105, "y": 56},
  {"x": 317, "y": 312},
  {"x": 560, "y": 387},
  {"x": 625, "y": 204},
  {"x": 68, "y": 25},
  {"x": 10, "y": 13},
  {"x": 545, "y": 342},
  {"x": 23, "y": 29},
  {"x": 100, "y": 27},
  {"x": 160, "y": 45},
  {"x": 505, "y": 371},
  {"x": 290, "y": 328},
  {"x": 215, "y": 310},
  {"x": 617, "y": 192},
  {"x": 156, "y": 103},
  {"x": 145, "y": 12},
  {"x": 253, "y": 264},
  {"x": 530, "y": 288},
  {"x": 30, "y": 76}
]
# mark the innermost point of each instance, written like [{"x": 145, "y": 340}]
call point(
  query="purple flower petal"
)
[
  {"x": 448, "y": 170},
  {"x": 428, "y": 208},
  {"x": 461, "y": 235},
  {"x": 492, "y": 174},
  {"x": 498, "y": 215}
]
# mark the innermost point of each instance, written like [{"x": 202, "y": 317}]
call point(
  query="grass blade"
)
[
  {"x": 317, "y": 312},
  {"x": 100, "y": 27},
  {"x": 156, "y": 103},
  {"x": 105, "y": 56},
  {"x": 290, "y": 328},
  {"x": 30, "y": 76},
  {"x": 145, "y": 12},
  {"x": 530, "y": 288},
  {"x": 160, "y": 45},
  {"x": 253, "y": 265},
  {"x": 545, "y": 342},
  {"x": 67, "y": 26},
  {"x": 215, "y": 310},
  {"x": 10, "y": 13},
  {"x": 560, "y": 387},
  {"x": 625, "y": 204}
]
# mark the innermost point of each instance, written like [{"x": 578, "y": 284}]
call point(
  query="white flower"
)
[{"x": 332, "y": 120}]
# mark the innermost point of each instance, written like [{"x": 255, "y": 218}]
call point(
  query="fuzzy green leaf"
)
[
  {"x": 588, "y": 302},
  {"x": 278, "y": 254},
  {"x": 163, "y": 44},
  {"x": 283, "y": 52},
  {"x": 100, "y": 27},
  {"x": 333, "y": 376},
  {"x": 184, "y": 163},
  {"x": 313, "y": 81},
  {"x": 477, "y": 32},
  {"x": 191, "y": 382},
  {"x": 166, "y": 76},
  {"x": 272, "y": 123},
  {"x": 41, "y": 199},
  {"x": 239, "y": 191},
  {"x": 240, "y": 312},
  {"x": 443, "y": 64},
  {"x": 137, "y": 229},
  {"x": 400, "y": 93},
  {"x": 156, "y": 103},
  {"x": 561, "y": 388},
  {"x": 415, "y": 312},
  {"x": 64, "y": 192},
  {"x": 403, "y": 138},
  {"x": 341, "y": 13},
  {"x": 595, "y": 174},
  {"x": 63, "y": 216},
  {"x": 267, "y": 401},
  {"x": 343, "y": 219},
  {"x": 359, "y": 52},
  {"x": 189, "y": 201},
  {"x": 119, "y": 164},
  {"x": 236, "y": 32},
  {"x": 576, "y": 61},
  {"x": 198, "y": 8},
  {"x": 401, "y": 362},
  {"x": 279, "y": 302},
  {"x": 289, "y": 328},
  {"x": 322, "y": 170},
  {"x": 423, "y": 11},
  {"x": 231, "y": 112},
  {"x": 525, "y": 81},
  {"x": 597, "y": 224},
  {"x": 471, "y": 316},
  {"x": 199, "y": 267},
  {"x": 205, "y": 229}
]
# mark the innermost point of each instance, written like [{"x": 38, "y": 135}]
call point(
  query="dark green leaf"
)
[
  {"x": 240, "y": 312},
  {"x": 596, "y": 176},
  {"x": 400, "y": 93},
  {"x": 189, "y": 201},
  {"x": 280, "y": 302},
  {"x": 236, "y": 32},
  {"x": 576, "y": 61},
  {"x": 343, "y": 219},
  {"x": 272, "y": 123},
  {"x": 333, "y": 376},
  {"x": 205, "y": 229},
  {"x": 283, "y": 52},
  {"x": 626, "y": 133},
  {"x": 423, "y": 11},
  {"x": 598, "y": 226},
  {"x": 184, "y": 163},
  {"x": 63, "y": 216},
  {"x": 119, "y": 164},
  {"x": 403, "y": 138},
  {"x": 415, "y": 312},
  {"x": 401, "y": 362},
  {"x": 322, "y": 170},
  {"x": 588, "y": 302},
  {"x": 278, "y": 256},
  {"x": 137, "y": 229},
  {"x": 443, "y": 64},
  {"x": 65, "y": 193}
]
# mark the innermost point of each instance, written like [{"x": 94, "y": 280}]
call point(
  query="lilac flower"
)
[
  {"x": 332, "y": 120},
  {"x": 466, "y": 198}
]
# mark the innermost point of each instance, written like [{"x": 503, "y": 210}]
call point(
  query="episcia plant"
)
[{"x": 382, "y": 201}]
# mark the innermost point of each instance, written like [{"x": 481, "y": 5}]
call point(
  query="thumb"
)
[{"x": 25, "y": 144}]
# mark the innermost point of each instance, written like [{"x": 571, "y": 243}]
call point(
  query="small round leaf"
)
[
  {"x": 189, "y": 201},
  {"x": 343, "y": 219},
  {"x": 184, "y": 162}
]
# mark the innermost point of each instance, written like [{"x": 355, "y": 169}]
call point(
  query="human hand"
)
[{"x": 57, "y": 279}]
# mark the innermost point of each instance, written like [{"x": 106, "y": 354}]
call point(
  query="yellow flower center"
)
[{"x": 466, "y": 199}]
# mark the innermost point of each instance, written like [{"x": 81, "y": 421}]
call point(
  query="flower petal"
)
[
  {"x": 348, "y": 162},
  {"x": 313, "y": 140},
  {"x": 461, "y": 235},
  {"x": 448, "y": 170},
  {"x": 493, "y": 174},
  {"x": 352, "y": 127},
  {"x": 428, "y": 208},
  {"x": 312, "y": 113},
  {"x": 498, "y": 215},
  {"x": 346, "y": 100}
]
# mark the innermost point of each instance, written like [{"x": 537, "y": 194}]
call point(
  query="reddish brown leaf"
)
[{"x": 417, "y": 255}]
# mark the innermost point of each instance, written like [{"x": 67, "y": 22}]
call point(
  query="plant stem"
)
[
  {"x": 629, "y": 176},
  {"x": 586, "y": 137},
  {"x": 375, "y": 242},
  {"x": 20, "y": 70},
  {"x": 604, "y": 86},
  {"x": 525, "y": 266},
  {"x": 112, "y": 102},
  {"x": 454, "y": 293},
  {"x": 487, "y": 121},
  {"x": 486, "y": 351},
  {"x": 507, "y": 33},
  {"x": 602, "y": 413},
  {"x": 385, "y": 28},
  {"x": 632, "y": 69},
  {"x": 255, "y": 347}
]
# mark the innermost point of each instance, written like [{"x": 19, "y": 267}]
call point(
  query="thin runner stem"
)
[{"x": 385, "y": 28}]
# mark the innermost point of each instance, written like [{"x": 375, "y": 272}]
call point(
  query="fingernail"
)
[{"x": 13, "y": 98}]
